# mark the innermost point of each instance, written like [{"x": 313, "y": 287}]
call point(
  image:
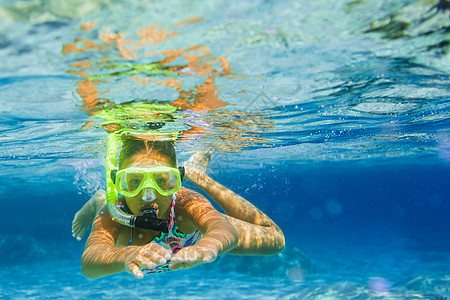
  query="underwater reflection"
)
[{"x": 115, "y": 65}]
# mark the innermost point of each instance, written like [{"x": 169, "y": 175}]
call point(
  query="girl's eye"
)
[
  {"x": 161, "y": 179},
  {"x": 135, "y": 182}
]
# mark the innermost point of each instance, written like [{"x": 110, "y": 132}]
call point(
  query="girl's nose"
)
[{"x": 148, "y": 195}]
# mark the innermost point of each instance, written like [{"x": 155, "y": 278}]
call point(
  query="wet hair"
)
[{"x": 132, "y": 146}]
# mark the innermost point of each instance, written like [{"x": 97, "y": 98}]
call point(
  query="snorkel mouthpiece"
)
[
  {"x": 148, "y": 195},
  {"x": 151, "y": 212},
  {"x": 149, "y": 220}
]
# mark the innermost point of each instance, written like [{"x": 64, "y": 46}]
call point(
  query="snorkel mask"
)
[{"x": 130, "y": 182}]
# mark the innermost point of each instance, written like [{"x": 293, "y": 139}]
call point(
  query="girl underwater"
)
[{"x": 172, "y": 227}]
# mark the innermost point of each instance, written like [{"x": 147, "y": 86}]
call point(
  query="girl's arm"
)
[
  {"x": 219, "y": 236},
  {"x": 258, "y": 234},
  {"x": 102, "y": 257},
  {"x": 84, "y": 218}
]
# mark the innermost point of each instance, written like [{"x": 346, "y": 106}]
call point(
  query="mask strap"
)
[
  {"x": 182, "y": 171},
  {"x": 172, "y": 211}
]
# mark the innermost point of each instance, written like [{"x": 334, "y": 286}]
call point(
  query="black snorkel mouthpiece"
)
[{"x": 149, "y": 221}]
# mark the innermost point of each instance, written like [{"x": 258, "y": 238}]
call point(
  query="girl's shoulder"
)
[
  {"x": 183, "y": 218},
  {"x": 186, "y": 196},
  {"x": 183, "y": 192}
]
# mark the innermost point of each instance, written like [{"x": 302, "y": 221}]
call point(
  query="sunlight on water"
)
[
  {"x": 277, "y": 90},
  {"x": 295, "y": 79}
]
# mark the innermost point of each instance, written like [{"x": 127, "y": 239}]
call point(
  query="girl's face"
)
[{"x": 136, "y": 204}]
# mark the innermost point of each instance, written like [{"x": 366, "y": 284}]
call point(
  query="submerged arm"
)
[
  {"x": 84, "y": 218},
  {"x": 255, "y": 239},
  {"x": 102, "y": 257},
  {"x": 219, "y": 236},
  {"x": 258, "y": 234}
]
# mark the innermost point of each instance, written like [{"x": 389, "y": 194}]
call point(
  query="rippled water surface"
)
[
  {"x": 332, "y": 80},
  {"x": 287, "y": 89}
]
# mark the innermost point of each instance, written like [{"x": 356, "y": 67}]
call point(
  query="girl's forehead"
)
[{"x": 147, "y": 159}]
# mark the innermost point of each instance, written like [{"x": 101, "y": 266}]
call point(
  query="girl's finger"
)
[
  {"x": 161, "y": 251},
  {"x": 155, "y": 257},
  {"x": 135, "y": 270},
  {"x": 209, "y": 256},
  {"x": 145, "y": 262}
]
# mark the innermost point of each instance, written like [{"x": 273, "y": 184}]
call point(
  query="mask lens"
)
[
  {"x": 165, "y": 180},
  {"x": 131, "y": 181}
]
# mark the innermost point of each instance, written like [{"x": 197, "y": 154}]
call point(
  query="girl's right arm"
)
[
  {"x": 101, "y": 256},
  {"x": 258, "y": 234}
]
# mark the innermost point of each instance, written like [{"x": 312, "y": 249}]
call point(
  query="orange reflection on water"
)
[
  {"x": 205, "y": 97},
  {"x": 82, "y": 64},
  {"x": 200, "y": 62},
  {"x": 118, "y": 39},
  {"x": 91, "y": 97},
  {"x": 87, "y": 26},
  {"x": 76, "y": 46},
  {"x": 237, "y": 129},
  {"x": 148, "y": 35},
  {"x": 232, "y": 130},
  {"x": 154, "y": 34},
  {"x": 190, "y": 20}
]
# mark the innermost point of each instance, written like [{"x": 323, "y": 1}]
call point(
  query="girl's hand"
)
[
  {"x": 189, "y": 257},
  {"x": 197, "y": 165},
  {"x": 147, "y": 256}
]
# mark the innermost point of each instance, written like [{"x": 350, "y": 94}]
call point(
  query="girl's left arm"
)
[{"x": 219, "y": 235}]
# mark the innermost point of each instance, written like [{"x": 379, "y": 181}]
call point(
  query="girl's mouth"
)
[{"x": 153, "y": 207}]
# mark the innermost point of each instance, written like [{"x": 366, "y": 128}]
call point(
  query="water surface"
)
[{"x": 331, "y": 116}]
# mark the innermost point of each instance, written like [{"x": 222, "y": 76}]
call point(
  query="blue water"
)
[{"x": 331, "y": 116}]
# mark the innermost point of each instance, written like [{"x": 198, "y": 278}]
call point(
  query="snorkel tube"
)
[{"x": 114, "y": 142}]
